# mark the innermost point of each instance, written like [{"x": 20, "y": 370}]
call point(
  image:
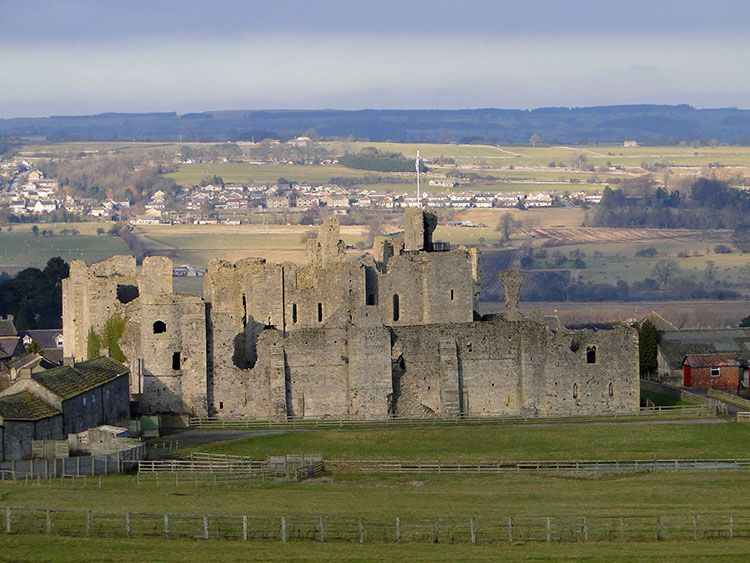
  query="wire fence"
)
[
  {"x": 212, "y": 423},
  {"x": 88, "y": 523}
]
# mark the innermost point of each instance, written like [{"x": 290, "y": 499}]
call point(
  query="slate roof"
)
[
  {"x": 25, "y": 406},
  {"x": 67, "y": 381},
  {"x": 29, "y": 360},
  {"x": 46, "y": 338},
  {"x": 711, "y": 360},
  {"x": 659, "y": 322},
  {"x": 10, "y": 346},
  {"x": 676, "y": 344},
  {"x": 7, "y": 328}
]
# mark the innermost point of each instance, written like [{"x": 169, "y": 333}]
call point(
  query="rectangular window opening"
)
[
  {"x": 715, "y": 372},
  {"x": 176, "y": 361},
  {"x": 320, "y": 312},
  {"x": 294, "y": 313},
  {"x": 451, "y": 295}
]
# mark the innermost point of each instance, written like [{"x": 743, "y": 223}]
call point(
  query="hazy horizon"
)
[{"x": 86, "y": 57}]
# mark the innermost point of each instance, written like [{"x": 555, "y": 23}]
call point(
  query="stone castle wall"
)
[{"x": 396, "y": 335}]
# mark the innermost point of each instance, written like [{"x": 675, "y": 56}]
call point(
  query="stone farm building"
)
[
  {"x": 394, "y": 335},
  {"x": 50, "y": 404}
]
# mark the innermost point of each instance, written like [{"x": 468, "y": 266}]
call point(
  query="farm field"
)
[
  {"x": 21, "y": 248},
  {"x": 246, "y": 173}
]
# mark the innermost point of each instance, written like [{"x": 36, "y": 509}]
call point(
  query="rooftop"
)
[
  {"x": 67, "y": 381},
  {"x": 25, "y": 406}
]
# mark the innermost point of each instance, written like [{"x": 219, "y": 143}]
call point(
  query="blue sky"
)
[{"x": 79, "y": 57}]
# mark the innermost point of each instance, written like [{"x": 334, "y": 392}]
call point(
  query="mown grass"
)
[
  {"x": 506, "y": 443},
  {"x": 55, "y": 548}
]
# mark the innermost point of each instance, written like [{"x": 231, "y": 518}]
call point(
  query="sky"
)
[{"x": 76, "y": 57}]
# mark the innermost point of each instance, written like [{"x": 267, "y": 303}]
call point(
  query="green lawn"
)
[{"x": 507, "y": 443}]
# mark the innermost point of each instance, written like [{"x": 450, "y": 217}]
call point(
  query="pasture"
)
[
  {"x": 19, "y": 247},
  {"x": 248, "y": 173}
]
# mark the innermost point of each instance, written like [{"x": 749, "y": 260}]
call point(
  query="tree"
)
[
  {"x": 647, "y": 348},
  {"x": 534, "y": 139},
  {"x": 507, "y": 226},
  {"x": 665, "y": 270},
  {"x": 741, "y": 238},
  {"x": 745, "y": 322},
  {"x": 710, "y": 272},
  {"x": 33, "y": 347}
]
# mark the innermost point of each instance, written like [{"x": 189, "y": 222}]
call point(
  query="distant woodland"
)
[{"x": 651, "y": 124}]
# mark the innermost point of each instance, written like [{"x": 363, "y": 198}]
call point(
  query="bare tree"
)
[
  {"x": 507, "y": 226},
  {"x": 710, "y": 272},
  {"x": 534, "y": 140},
  {"x": 665, "y": 270}
]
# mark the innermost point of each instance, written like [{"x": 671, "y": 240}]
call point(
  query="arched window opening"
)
[
  {"x": 160, "y": 327},
  {"x": 611, "y": 389},
  {"x": 396, "y": 311},
  {"x": 575, "y": 390},
  {"x": 294, "y": 312},
  {"x": 590, "y": 354}
]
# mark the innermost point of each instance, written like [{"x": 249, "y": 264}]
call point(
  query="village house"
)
[{"x": 711, "y": 371}]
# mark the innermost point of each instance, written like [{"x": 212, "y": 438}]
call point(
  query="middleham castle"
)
[{"x": 394, "y": 335}]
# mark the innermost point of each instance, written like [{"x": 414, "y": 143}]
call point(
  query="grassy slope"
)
[{"x": 507, "y": 443}]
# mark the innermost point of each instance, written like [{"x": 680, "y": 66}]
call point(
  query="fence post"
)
[
  {"x": 88, "y": 523},
  {"x": 205, "y": 526},
  {"x": 622, "y": 528},
  {"x": 49, "y": 521},
  {"x": 695, "y": 528},
  {"x": 106, "y": 465},
  {"x": 473, "y": 531},
  {"x": 283, "y": 529},
  {"x": 585, "y": 529},
  {"x": 244, "y": 527},
  {"x": 398, "y": 528},
  {"x": 549, "y": 529},
  {"x": 127, "y": 525},
  {"x": 166, "y": 525},
  {"x": 322, "y": 530},
  {"x": 78, "y": 465},
  {"x": 658, "y": 528},
  {"x": 361, "y": 531},
  {"x": 436, "y": 532},
  {"x": 7, "y": 520},
  {"x": 731, "y": 527},
  {"x": 510, "y": 530}
]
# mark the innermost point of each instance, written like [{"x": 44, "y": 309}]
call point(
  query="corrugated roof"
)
[
  {"x": 25, "y": 406},
  {"x": 67, "y": 381},
  {"x": 676, "y": 344},
  {"x": 711, "y": 360}
]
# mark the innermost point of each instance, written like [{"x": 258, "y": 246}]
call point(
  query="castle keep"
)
[{"x": 398, "y": 334}]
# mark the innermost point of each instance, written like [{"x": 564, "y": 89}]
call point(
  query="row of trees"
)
[
  {"x": 371, "y": 158},
  {"x": 707, "y": 204}
]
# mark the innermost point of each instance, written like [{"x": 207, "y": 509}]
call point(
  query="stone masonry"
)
[{"x": 396, "y": 334}]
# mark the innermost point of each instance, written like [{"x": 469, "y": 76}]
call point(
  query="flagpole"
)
[{"x": 419, "y": 198}]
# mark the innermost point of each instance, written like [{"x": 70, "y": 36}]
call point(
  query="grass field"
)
[
  {"x": 43, "y": 548},
  {"x": 20, "y": 246},
  {"x": 507, "y": 443},
  {"x": 246, "y": 173}
]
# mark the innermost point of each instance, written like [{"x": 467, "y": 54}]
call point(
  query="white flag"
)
[{"x": 416, "y": 164}]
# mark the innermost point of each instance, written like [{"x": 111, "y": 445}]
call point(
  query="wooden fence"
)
[
  {"x": 212, "y": 423},
  {"x": 544, "y": 466},
  {"x": 89, "y": 523}
]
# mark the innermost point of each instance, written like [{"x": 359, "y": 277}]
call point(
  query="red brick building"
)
[{"x": 711, "y": 371}]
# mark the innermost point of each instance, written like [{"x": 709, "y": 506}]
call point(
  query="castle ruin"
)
[{"x": 394, "y": 335}]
